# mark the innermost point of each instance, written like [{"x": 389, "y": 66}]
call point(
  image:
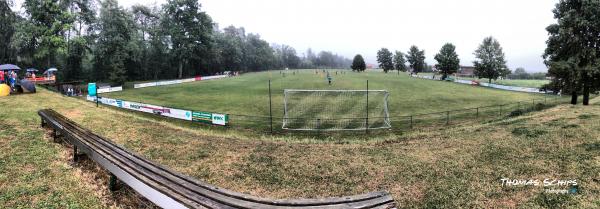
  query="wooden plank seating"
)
[{"x": 169, "y": 189}]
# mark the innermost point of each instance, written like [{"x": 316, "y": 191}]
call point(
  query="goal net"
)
[{"x": 335, "y": 110}]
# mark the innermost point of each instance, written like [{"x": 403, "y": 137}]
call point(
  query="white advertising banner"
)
[
  {"x": 217, "y": 119},
  {"x": 171, "y": 82},
  {"x": 143, "y": 85},
  {"x": 158, "y": 110},
  {"x": 213, "y": 77},
  {"x": 164, "y": 83},
  {"x": 109, "y": 101},
  {"x": 188, "y": 80},
  {"x": 110, "y": 89}
]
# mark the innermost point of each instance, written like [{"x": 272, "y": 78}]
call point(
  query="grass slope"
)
[
  {"x": 457, "y": 167},
  {"x": 248, "y": 94}
]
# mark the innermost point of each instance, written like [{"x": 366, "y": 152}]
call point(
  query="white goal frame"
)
[{"x": 386, "y": 116}]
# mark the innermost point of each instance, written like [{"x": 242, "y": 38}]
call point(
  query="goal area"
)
[{"x": 335, "y": 110}]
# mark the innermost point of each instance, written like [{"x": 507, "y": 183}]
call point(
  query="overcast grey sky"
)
[{"x": 350, "y": 27}]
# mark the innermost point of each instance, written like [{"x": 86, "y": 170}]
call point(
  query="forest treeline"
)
[{"x": 102, "y": 41}]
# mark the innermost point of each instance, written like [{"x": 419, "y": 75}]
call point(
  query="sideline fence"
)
[{"x": 273, "y": 125}]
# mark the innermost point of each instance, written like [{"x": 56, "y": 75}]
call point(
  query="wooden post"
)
[
  {"x": 75, "y": 154},
  {"x": 411, "y": 122},
  {"x": 477, "y": 114},
  {"x": 447, "y": 117},
  {"x": 112, "y": 182},
  {"x": 54, "y": 136}
]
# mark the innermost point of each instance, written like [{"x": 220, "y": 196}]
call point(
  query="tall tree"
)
[
  {"x": 573, "y": 48},
  {"x": 145, "y": 20},
  {"x": 50, "y": 20},
  {"x": 416, "y": 59},
  {"x": 159, "y": 55},
  {"x": 258, "y": 54},
  {"x": 399, "y": 62},
  {"x": 490, "y": 61},
  {"x": 25, "y": 41},
  {"x": 520, "y": 73},
  {"x": 113, "y": 47},
  {"x": 287, "y": 56},
  {"x": 385, "y": 60},
  {"x": 448, "y": 62},
  {"x": 7, "y": 28},
  {"x": 79, "y": 37},
  {"x": 190, "y": 31},
  {"x": 358, "y": 64},
  {"x": 230, "y": 47}
]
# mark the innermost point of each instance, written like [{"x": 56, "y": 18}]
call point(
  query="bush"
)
[
  {"x": 516, "y": 113},
  {"x": 539, "y": 106}
]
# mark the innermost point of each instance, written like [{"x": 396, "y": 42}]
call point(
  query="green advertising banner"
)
[{"x": 210, "y": 118}]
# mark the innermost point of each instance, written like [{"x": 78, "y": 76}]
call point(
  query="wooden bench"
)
[{"x": 169, "y": 189}]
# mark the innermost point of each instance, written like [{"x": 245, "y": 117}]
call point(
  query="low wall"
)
[
  {"x": 179, "y": 81},
  {"x": 491, "y": 85}
]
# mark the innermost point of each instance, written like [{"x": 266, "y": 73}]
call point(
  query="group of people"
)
[
  {"x": 30, "y": 75},
  {"x": 9, "y": 78},
  {"x": 71, "y": 90}
]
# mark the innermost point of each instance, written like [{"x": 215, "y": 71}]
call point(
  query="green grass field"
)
[
  {"x": 248, "y": 94},
  {"x": 514, "y": 82},
  {"x": 454, "y": 167}
]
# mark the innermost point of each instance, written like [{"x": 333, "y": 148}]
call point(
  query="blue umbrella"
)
[
  {"x": 50, "y": 70},
  {"x": 9, "y": 67},
  {"x": 31, "y": 70},
  {"x": 27, "y": 86}
]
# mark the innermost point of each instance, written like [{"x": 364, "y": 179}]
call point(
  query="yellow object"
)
[{"x": 4, "y": 90}]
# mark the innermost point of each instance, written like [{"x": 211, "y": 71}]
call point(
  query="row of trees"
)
[
  {"x": 573, "y": 49},
  {"x": 520, "y": 73},
  {"x": 100, "y": 40},
  {"x": 489, "y": 63}
]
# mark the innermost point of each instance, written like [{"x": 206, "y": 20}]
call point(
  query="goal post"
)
[{"x": 335, "y": 110}]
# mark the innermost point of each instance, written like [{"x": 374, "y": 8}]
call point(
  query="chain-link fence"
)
[
  {"x": 268, "y": 113},
  {"x": 399, "y": 123},
  {"x": 274, "y": 125}
]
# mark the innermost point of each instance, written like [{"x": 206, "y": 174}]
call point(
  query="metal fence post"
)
[
  {"x": 97, "y": 96},
  {"x": 411, "y": 122},
  {"x": 477, "y": 114},
  {"x": 270, "y": 108},
  {"x": 501, "y": 110},
  {"x": 367, "y": 118},
  {"x": 318, "y": 126},
  {"x": 447, "y": 117}
]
